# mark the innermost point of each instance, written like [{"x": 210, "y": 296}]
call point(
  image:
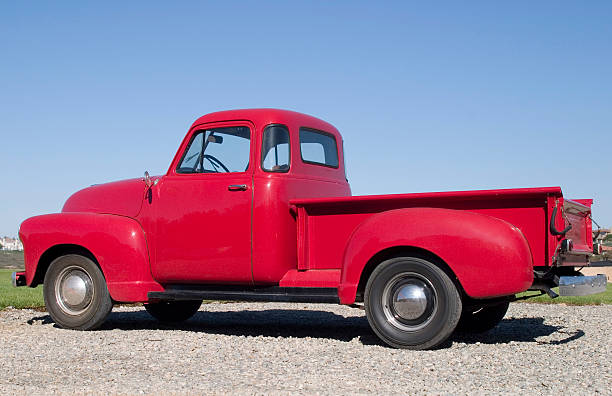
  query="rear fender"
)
[
  {"x": 117, "y": 243},
  {"x": 489, "y": 256}
]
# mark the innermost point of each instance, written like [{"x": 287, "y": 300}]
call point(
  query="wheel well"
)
[
  {"x": 57, "y": 251},
  {"x": 404, "y": 251}
]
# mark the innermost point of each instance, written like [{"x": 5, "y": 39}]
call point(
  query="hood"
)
[{"x": 121, "y": 198}]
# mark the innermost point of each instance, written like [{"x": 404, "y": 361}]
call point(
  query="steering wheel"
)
[{"x": 214, "y": 161}]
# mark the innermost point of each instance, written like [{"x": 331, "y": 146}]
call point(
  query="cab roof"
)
[{"x": 261, "y": 117}]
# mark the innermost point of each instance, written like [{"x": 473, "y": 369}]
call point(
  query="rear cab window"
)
[
  {"x": 275, "y": 151},
  {"x": 318, "y": 148}
]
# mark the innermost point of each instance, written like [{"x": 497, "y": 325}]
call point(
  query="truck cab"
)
[{"x": 223, "y": 205}]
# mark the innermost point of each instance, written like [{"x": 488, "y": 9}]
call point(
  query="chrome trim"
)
[
  {"x": 147, "y": 179},
  {"x": 74, "y": 291},
  {"x": 410, "y": 301},
  {"x": 405, "y": 311},
  {"x": 567, "y": 245},
  {"x": 582, "y": 285}
]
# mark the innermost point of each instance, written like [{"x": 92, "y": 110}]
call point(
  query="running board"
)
[{"x": 264, "y": 294}]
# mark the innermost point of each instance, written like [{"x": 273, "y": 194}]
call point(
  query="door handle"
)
[{"x": 237, "y": 187}]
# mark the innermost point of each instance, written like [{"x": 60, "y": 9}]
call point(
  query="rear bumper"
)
[
  {"x": 19, "y": 279},
  {"x": 582, "y": 285}
]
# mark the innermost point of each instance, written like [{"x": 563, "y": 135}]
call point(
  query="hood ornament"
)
[{"x": 147, "y": 179}]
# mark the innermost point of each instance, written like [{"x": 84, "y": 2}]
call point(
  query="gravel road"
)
[{"x": 302, "y": 348}]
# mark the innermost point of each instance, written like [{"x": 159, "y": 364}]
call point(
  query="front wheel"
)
[
  {"x": 173, "y": 311},
  {"x": 411, "y": 303},
  {"x": 75, "y": 293}
]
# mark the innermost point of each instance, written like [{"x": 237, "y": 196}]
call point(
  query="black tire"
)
[
  {"x": 75, "y": 293},
  {"x": 423, "y": 321},
  {"x": 482, "y": 319},
  {"x": 173, "y": 311}
]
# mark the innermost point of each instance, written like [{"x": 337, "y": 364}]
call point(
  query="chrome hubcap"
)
[
  {"x": 409, "y": 301},
  {"x": 74, "y": 290}
]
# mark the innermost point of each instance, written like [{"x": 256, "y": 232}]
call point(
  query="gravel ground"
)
[{"x": 302, "y": 348}]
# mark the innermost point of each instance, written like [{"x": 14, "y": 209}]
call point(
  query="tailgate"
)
[{"x": 577, "y": 214}]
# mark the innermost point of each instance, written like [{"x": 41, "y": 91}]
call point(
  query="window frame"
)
[
  {"x": 263, "y": 133},
  {"x": 321, "y": 133},
  {"x": 202, "y": 129}
]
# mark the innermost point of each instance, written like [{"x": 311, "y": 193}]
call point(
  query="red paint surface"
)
[
  {"x": 296, "y": 229},
  {"x": 198, "y": 226},
  {"x": 118, "y": 243},
  {"x": 489, "y": 256},
  {"x": 314, "y": 278},
  {"x": 122, "y": 198}
]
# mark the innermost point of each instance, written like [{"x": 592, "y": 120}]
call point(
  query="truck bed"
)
[{"x": 326, "y": 224}]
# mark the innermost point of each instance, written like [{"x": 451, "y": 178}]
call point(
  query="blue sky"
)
[{"x": 429, "y": 97}]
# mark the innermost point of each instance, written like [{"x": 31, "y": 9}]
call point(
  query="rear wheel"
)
[
  {"x": 75, "y": 293},
  {"x": 173, "y": 311},
  {"x": 482, "y": 319},
  {"x": 411, "y": 303}
]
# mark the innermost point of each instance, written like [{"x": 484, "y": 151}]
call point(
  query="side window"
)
[
  {"x": 319, "y": 148},
  {"x": 275, "y": 149},
  {"x": 217, "y": 150}
]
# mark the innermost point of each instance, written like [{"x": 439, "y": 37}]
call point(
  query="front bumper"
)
[
  {"x": 19, "y": 279},
  {"x": 582, "y": 285}
]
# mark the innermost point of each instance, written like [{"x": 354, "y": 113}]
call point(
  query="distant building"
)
[
  {"x": 11, "y": 243},
  {"x": 598, "y": 237}
]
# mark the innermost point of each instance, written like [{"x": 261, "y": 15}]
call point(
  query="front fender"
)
[
  {"x": 117, "y": 242},
  {"x": 489, "y": 256}
]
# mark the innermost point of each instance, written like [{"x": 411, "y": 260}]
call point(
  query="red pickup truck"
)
[{"x": 256, "y": 207}]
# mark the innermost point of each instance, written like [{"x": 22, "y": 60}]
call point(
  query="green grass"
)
[
  {"x": 18, "y": 297},
  {"x": 593, "y": 299}
]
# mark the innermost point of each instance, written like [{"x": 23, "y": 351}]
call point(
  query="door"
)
[{"x": 203, "y": 230}]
